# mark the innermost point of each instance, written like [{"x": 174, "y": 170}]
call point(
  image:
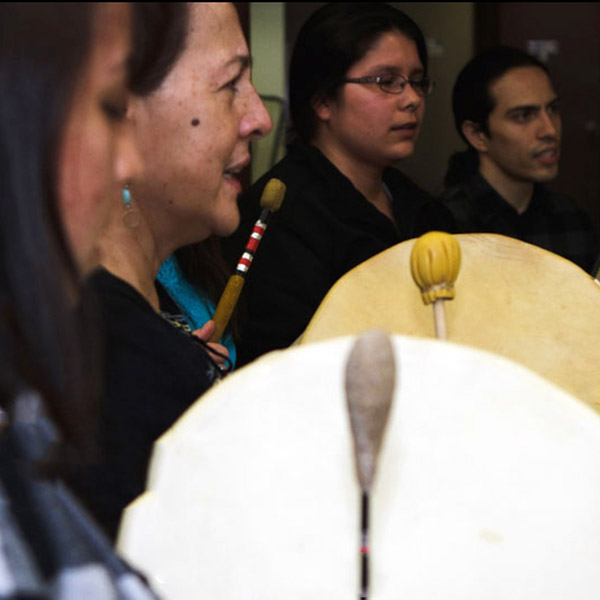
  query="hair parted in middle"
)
[{"x": 335, "y": 37}]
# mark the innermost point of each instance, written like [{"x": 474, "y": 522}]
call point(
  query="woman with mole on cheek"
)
[
  {"x": 358, "y": 85},
  {"x": 63, "y": 146},
  {"x": 193, "y": 111}
]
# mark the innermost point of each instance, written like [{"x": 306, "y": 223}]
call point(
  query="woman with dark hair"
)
[
  {"x": 357, "y": 86},
  {"x": 193, "y": 278},
  {"x": 193, "y": 112},
  {"x": 63, "y": 148}
]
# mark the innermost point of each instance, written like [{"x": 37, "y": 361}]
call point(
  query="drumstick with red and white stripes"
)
[
  {"x": 370, "y": 381},
  {"x": 270, "y": 201}
]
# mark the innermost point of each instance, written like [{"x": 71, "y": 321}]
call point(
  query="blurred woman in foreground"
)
[{"x": 63, "y": 148}]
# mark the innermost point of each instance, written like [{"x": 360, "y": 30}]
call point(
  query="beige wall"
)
[
  {"x": 267, "y": 45},
  {"x": 448, "y": 27}
]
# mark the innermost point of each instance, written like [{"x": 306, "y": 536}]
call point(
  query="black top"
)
[
  {"x": 154, "y": 372},
  {"x": 324, "y": 228},
  {"x": 552, "y": 221}
]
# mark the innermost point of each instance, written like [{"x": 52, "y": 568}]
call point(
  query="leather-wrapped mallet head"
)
[
  {"x": 272, "y": 195},
  {"x": 370, "y": 381}
]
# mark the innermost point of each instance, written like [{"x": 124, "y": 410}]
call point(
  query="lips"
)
[
  {"x": 231, "y": 172},
  {"x": 547, "y": 155},
  {"x": 405, "y": 131},
  {"x": 411, "y": 126},
  {"x": 237, "y": 167}
]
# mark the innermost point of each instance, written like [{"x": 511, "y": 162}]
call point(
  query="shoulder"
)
[
  {"x": 429, "y": 212},
  {"x": 305, "y": 173},
  {"x": 560, "y": 202},
  {"x": 403, "y": 186},
  {"x": 454, "y": 196},
  {"x": 113, "y": 290},
  {"x": 133, "y": 327},
  {"x": 310, "y": 189},
  {"x": 566, "y": 209},
  {"x": 462, "y": 203},
  {"x": 122, "y": 307},
  {"x": 579, "y": 225}
]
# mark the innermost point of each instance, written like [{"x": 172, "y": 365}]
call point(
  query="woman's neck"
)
[
  {"x": 132, "y": 254},
  {"x": 367, "y": 178}
]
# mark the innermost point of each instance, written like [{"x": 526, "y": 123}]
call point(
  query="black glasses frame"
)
[{"x": 395, "y": 84}]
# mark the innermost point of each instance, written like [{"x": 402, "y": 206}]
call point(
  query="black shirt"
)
[
  {"x": 324, "y": 228},
  {"x": 552, "y": 221},
  {"x": 154, "y": 372}
]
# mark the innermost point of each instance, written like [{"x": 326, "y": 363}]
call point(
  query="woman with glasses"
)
[{"x": 358, "y": 86}]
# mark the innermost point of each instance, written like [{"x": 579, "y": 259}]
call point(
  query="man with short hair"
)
[{"x": 507, "y": 111}]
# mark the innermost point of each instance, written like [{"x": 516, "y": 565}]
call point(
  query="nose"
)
[
  {"x": 256, "y": 121},
  {"x": 128, "y": 163},
  {"x": 549, "y": 125},
  {"x": 409, "y": 99}
]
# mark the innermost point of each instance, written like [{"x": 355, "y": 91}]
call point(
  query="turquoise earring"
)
[{"x": 130, "y": 217}]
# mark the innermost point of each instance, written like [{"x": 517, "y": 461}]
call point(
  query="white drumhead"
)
[{"x": 488, "y": 485}]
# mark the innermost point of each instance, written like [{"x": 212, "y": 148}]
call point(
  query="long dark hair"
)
[
  {"x": 159, "y": 36},
  {"x": 334, "y": 38},
  {"x": 472, "y": 101},
  {"x": 43, "y": 49}
]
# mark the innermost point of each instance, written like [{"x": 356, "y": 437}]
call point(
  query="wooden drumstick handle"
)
[
  {"x": 270, "y": 201},
  {"x": 439, "y": 320},
  {"x": 226, "y": 305}
]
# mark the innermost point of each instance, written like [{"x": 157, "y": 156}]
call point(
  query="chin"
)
[
  {"x": 227, "y": 226},
  {"x": 402, "y": 152},
  {"x": 545, "y": 176}
]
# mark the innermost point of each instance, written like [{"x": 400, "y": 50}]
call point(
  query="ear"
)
[
  {"x": 322, "y": 108},
  {"x": 475, "y": 135}
]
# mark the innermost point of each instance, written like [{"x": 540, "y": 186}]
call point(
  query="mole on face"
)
[{"x": 195, "y": 122}]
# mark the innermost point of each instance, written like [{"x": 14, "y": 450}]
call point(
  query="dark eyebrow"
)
[
  {"x": 523, "y": 108},
  {"x": 530, "y": 107}
]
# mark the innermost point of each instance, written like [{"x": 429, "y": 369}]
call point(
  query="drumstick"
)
[
  {"x": 270, "y": 201},
  {"x": 434, "y": 264},
  {"x": 370, "y": 379}
]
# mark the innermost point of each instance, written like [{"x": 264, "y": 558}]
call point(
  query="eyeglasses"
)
[{"x": 396, "y": 84}]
